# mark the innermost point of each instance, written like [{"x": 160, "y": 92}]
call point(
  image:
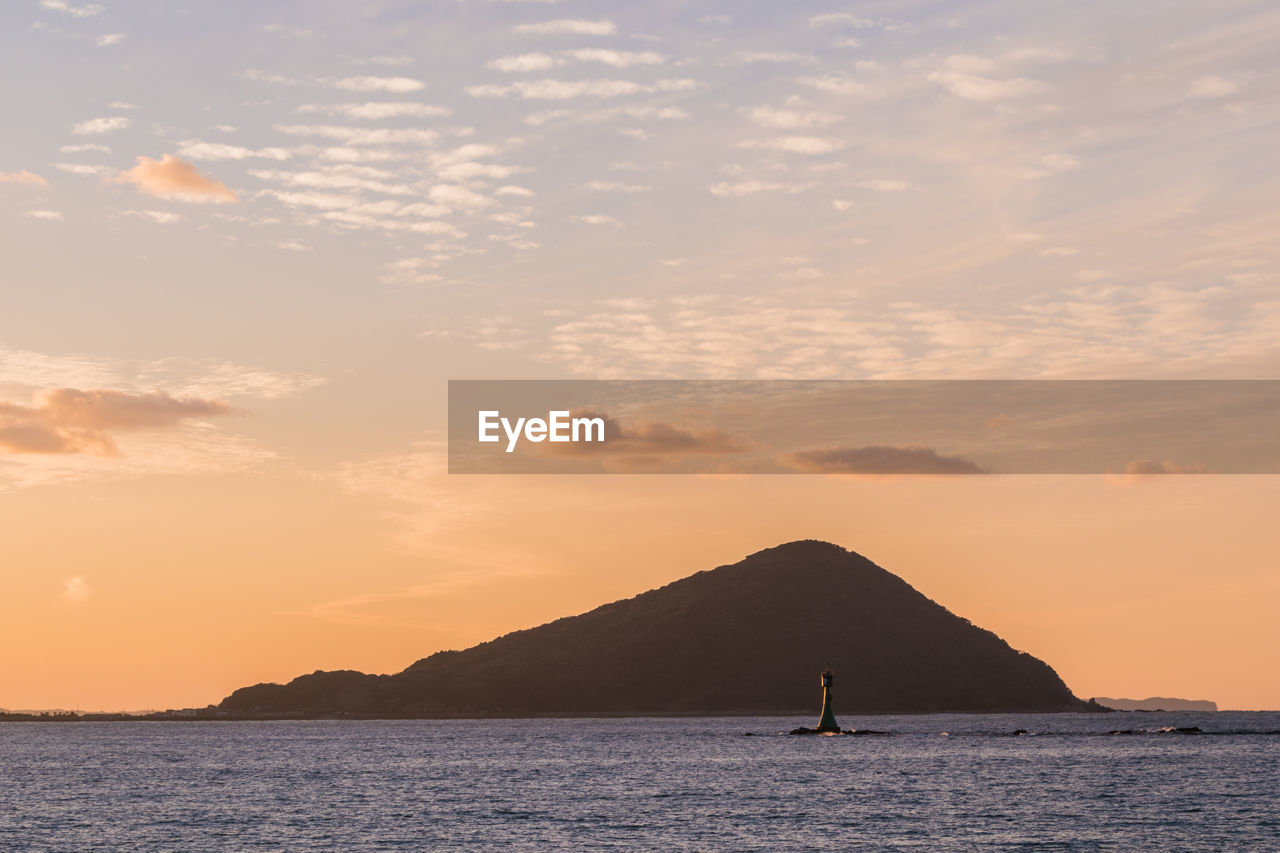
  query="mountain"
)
[
  {"x": 1157, "y": 703},
  {"x": 746, "y": 638}
]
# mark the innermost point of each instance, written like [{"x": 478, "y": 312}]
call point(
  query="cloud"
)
[
  {"x": 83, "y": 147},
  {"x": 345, "y": 177},
  {"x": 610, "y": 113},
  {"x": 523, "y": 62},
  {"x": 363, "y": 135},
  {"x": 808, "y": 145},
  {"x": 109, "y": 39},
  {"x": 526, "y": 62},
  {"x": 560, "y": 90},
  {"x": 287, "y": 31},
  {"x": 1212, "y": 86},
  {"x": 1051, "y": 164},
  {"x": 575, "y": 26},
  {"x": 770, "y": 56},
  {"x": 802, "y": 274},
  {"x": 47, "y": 215},
  {"x": 1149, "y": 468},
  {"x": 840, "y": 19},
  {"x": 616, "y": 58},
  {"x": 68, "y": 420},
  {"x": 375, "y": 110},
  {"x": 380, "y": 84},
  {"x": 471, "y": 170},
  {"x": 790, "y": 119},
  {"x": 80, "y": 168},
  {"x": 751, "y": 187},
  {"x": 88, "y": 10},
  {"x": 197, "y": 150},
  {"x": 176, "y": 179},
  {"x": 616, "y": 187},
  {"x": 513, "y": 190},
  {"x": 159, "y": 217},
  {"x": 75, "y": 590},
  {"x": 187, "y": 377},
  {"x": 835, "y": 84},
  {"x": 23, "y": 177},
  {"x": 98, "y": 126},
  {"x": 265, "y": 77},
  {"x": 879, "y": 460},
  {"x": 595, "y": 219},
  {"x": 882, "y": 185},
  {"x": 962, "y": 75}
]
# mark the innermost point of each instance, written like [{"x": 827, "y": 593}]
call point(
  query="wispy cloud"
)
[
  {"x": 88, "y": 10},
  {"x": 784, "y": 119},
  {"x": 559, "y": 90},
  {"x": 810, "y": 145},
  {"x": 752, "y": 57},
  {"x": 845, "y": 19},
  {"x": 380, "y": 84},
  {"x": 523, "y": 63},
  {"x": 68, "y": 420},
  {"x": 616, "y": 58},
  {"x": 1212, "y": 86},
  {"x": 75, "y": 590},
  {"x": 363, "y": 135},
  {"x": 196, "y": 149},
  {"x": 81, "y": 168},
  {"x": 885, "y": 185},
  {"x": 616, "y": 187},
  {"x": 99, "y": 126},
  {"x": 729, "y": 189},
  {"x": 880, "y": 460},
  {"x": 375, "y": 110},
  {"x": 175, "y": 179},
  {"x": 159, "y": 217},
  {"x": 969, "y": 77},
  {"x": 573, "y": 26},
  {"x": 23, "y": 177}
]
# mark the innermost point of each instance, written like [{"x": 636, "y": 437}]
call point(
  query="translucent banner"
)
[{"x": 865, "y": 428}]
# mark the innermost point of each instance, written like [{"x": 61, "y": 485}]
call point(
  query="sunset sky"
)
[{"x": 246, "y": 245}]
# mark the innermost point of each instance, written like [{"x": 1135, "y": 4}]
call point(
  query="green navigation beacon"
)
[{"x": 828, "y": 722}]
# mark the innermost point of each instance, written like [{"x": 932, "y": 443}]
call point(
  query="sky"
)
[{"x": 247, "y": 244}]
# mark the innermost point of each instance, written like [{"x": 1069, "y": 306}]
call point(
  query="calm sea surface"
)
[{"x": 645, "y": 784}]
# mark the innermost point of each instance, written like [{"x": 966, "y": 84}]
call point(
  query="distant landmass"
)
[
  {"x": 1157, "y": 703},
  {"x": 748, "y": 638}
]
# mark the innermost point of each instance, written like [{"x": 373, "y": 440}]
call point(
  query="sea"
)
[{"x": 932, "y": 783}]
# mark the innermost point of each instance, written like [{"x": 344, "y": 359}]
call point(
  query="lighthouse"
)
[{"x": 828, "y": 722}]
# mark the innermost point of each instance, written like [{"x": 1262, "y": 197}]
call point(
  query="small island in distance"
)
[{"x": 1157, "y": 703}]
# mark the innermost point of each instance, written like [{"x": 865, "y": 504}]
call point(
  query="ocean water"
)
[{"x": 645, "y": 784}]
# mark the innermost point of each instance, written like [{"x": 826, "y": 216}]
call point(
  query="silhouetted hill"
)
[{"x": 746, "y": 638}]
